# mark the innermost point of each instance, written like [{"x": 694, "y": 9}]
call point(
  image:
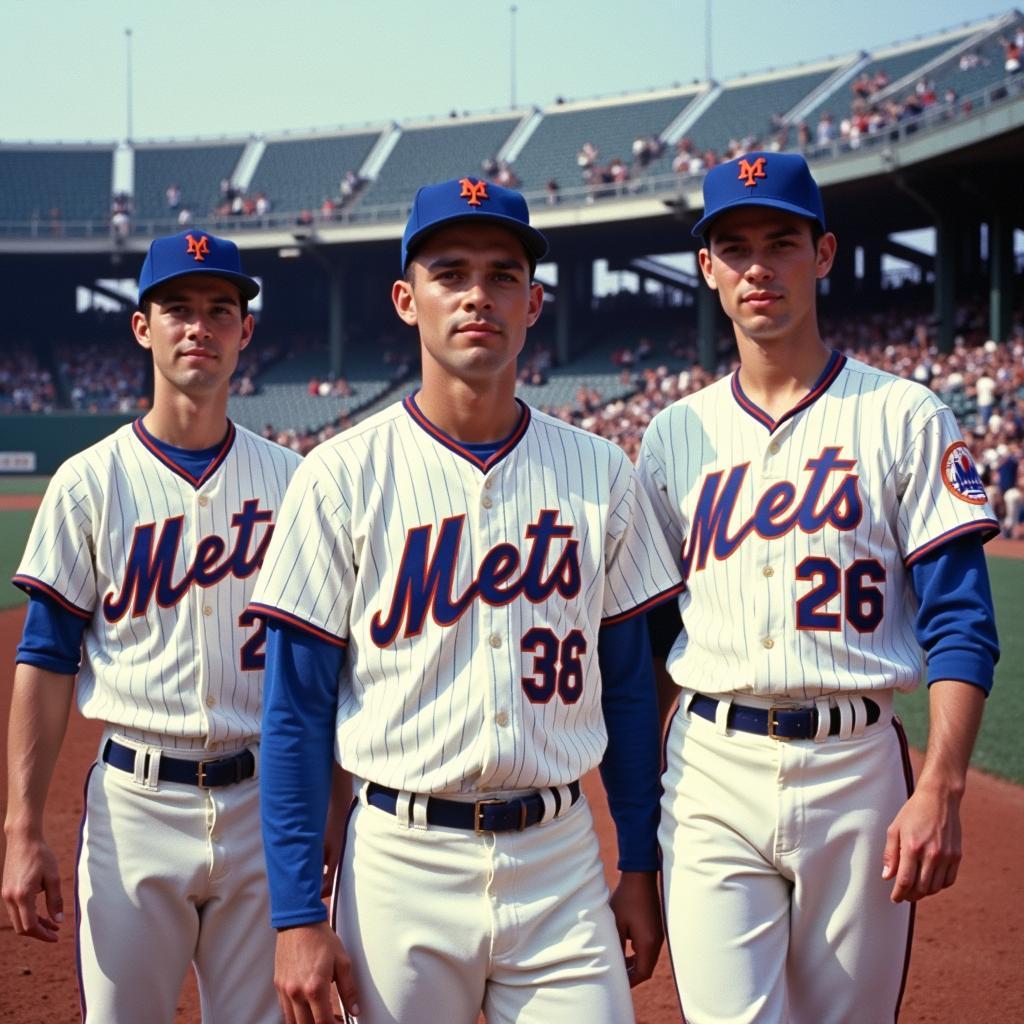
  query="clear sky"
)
[{"x": 230, "y": 67}]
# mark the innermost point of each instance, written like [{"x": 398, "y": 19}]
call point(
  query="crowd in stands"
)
[
  {"x": 598, "y": 175},
  {"x": 103, "y": 378},
  {"x": 25, "y": 386},
  {"x": 251, "y": 363}
]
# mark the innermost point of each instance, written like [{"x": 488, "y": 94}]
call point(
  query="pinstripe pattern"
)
[
  {"x": 441, "y": 707},
  {"x": 740, "y": 607},
  {"x": 168, "y": 673}
]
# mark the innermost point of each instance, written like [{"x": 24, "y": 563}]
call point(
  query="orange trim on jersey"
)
[
  {"x": 990, "y": 527},
  {"x": 30, "y": 584},
  {"x": 449, "y": 442},
  {"x": 832, "y": 370},
  {"x": 647, "y": 605},
  {"x": 266, "y": 611},
  {"x": 196, "y": 482}
]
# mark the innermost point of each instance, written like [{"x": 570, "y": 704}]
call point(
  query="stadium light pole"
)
[
  {"x": 707, "y": 40},
  {"x": 128, "y": 83},
  {"x": 512, "y": 55}
]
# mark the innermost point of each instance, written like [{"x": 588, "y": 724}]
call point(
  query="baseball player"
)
[
  {"x": 140, "y": 567},
  {"x": 829, "y": 522},
  {"x": 457, "y": 620}
]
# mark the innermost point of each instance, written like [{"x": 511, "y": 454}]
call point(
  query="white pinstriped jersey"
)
[
  {"x": 796, "y": 538},
  {"x": 469, "y": 595},
  {"x": 162, "y": 567}
]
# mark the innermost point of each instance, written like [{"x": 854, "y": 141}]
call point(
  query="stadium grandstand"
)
[{"x": 917, "y": 138}]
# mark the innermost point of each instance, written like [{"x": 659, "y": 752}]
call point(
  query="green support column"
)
[
  {"x": 335, "y": 319},
  {"x": 707, "y": 332},
  {"x": 1000, "y": 276},
  {"x": 565, "y": 298},
  {"x": 946, "y": 248}
]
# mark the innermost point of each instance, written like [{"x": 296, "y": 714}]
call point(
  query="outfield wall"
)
[{"x": 39, "y": 444}]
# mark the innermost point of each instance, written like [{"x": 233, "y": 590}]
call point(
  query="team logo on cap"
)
[
  {"x": 751, "y": 171},
  {"x": 960, "y": 475},
  {"x": 473, "y": 191},
  {"x": 199, "y": 248}
]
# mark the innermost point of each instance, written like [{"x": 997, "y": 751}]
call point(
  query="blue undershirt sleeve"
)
[
  {"x": 300, "y": 692},
  {"x": 632, "y": 761},
  {"x": 955, "y": 624},
  {"x": 52, "y": 637}
]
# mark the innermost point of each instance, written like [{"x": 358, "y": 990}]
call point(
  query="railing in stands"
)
[{"x": 936, "y": 118}]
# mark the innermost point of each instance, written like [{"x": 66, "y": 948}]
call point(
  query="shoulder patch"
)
[{"x": 960, "y": 475}]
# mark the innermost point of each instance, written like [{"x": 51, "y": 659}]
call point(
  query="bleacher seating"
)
[
  {"x": 745, "y": 107},
  {"x": 987, "y": 71},
  {"x": 196, "y": 169},
  {"x": 291, "y": 405},
  {"x": 611, "y": 126},
  {"x": 436, "y": 152},
  {"x": 299, "y": 174},
  {"x": 74, "y": 180}
]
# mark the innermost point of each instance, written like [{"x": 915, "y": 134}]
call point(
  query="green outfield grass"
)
[
  {"x": 14, "y": 527},
  {"x": 23, "y": 484},
  {"x": 999, "y": 749}
]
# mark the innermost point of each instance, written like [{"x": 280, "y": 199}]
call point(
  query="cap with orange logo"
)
[
  {"x": 194, "y": 252},
  {"x": 470, "y": 199},
  {"x": 779, "y": 180}
]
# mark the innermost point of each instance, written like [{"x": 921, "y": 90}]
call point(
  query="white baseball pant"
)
[
  {"x": 441, "y": 923},
  {"x": 171, "y": 874},
  {"x": 772, "y": 856}
]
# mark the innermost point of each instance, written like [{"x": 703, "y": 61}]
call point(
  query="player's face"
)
[
  {"x": 470, "y": 296},
  {"x": 765, "y": 266},
  {"x": 195, "y": 330}
]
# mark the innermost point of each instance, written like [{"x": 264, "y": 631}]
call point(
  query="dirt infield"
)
[
  {"x": 17, "y": 502},
  {"x": 968, "y": 939}
]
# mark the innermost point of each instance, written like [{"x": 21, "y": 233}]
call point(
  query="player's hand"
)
[
  {"x": 31, "y": 869},
  {"x": 309, "y": 959},
  {"x": 922, "y": 849},
  {"x": 637, "y": 911}
]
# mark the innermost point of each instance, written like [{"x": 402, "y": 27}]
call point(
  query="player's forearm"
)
[
  {"x": 296, "y": 759},
  {"x": 40, "y": 703},
  {"x": 955, "y": 715},
  {"x": 630, "y": 768}
]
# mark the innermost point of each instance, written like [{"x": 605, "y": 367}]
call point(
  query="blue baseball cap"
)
[
  {"x": 470, "y": 199},
  {"x": 779, "y": 180},
  {"x": 194, "y": 252}
]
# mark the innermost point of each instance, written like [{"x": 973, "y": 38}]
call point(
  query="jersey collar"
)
[
  {"x": 149, "y": 443},
  {"x": 832, "y": 369},
  {"x": 449, "y": 442}
]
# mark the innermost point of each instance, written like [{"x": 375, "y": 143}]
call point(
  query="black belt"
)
[
  {"x": 481, "y": 816},
  {"x": 781, "y": 723},
  {"x": 222, "y": 771}
]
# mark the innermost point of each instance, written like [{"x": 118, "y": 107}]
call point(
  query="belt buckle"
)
[
  {"x": 478, "y": 814},
  {"x": 201, "y": 774},
  {"x": 773, "y": 721}
]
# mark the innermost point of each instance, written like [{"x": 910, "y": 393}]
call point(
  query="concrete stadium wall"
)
[{"x": 50, "y": 438}]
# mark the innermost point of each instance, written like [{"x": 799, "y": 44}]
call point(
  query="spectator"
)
[
  {"x": 826, "y": 130},
  {"x": 173, "y": 197},
  {"x": 552, "y": 190}
]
